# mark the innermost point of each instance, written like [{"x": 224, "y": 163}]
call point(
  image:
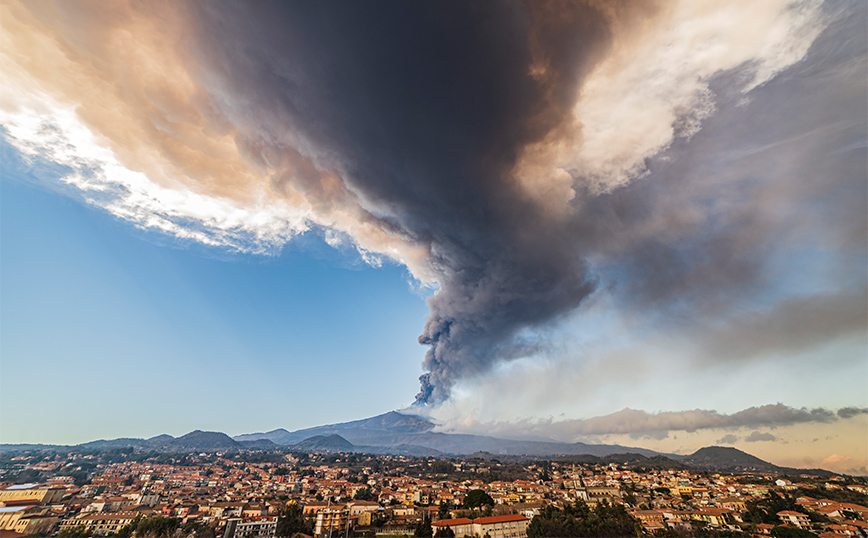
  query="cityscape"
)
[{"x": 207, "y": 484}]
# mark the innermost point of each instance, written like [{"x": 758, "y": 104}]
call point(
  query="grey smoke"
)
[
  {"x": 755, "y": 437},
  {"x": 422, "y": 108},
  {"x": 850, "y": 412},
  {"x": 638, "y": 423}
]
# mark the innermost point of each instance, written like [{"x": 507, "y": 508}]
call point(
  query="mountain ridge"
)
[{"x": 409, "y": 435}]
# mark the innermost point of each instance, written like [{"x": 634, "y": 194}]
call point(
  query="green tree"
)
[
  {"x": 157, "y": 527},
  {"x": 444, "y": 532},
  {"x": 786, "y": 532},
  {"x": 578, "y": 520},
  {"x": 292, "y": 521},
  {"x": 423, "y": 529},
  {"x": 129, "y": 528},
  {"x": 443, "y": 511},
  {"x": 476, "y": 498},
  {"x": 363, "y": 494}
]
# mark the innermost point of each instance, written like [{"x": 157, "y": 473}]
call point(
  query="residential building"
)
[
  {"x": 31, "y": 492},
  {"x": 251, "y": 527},
  {"x": 513, "y": 526},
  {"x": 795, "y": 518},
  {"x": 331, "y": 521},
  {"x": 461, "y": 526}
]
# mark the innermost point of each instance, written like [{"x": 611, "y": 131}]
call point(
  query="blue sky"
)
[{"x": 110, "y": 330}]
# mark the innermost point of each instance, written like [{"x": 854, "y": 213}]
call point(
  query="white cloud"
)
[
  {"x": 653, "y": 86},
  {"x": 53, "y": 132}
]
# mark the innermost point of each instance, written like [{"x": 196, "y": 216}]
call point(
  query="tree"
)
[
  {"x": 157, "y": 527},
  {"x": 363, "y": 494},
  {"x": 292, "y": 521},
  {"x": 443, "y": 511},
  {"x": 786, "y": 532},
  {"x": 442, "y": 467},
  {"x": 579, "y": 520},
  {"x": 476, "y": 498},
  {"x": 444, "y": 532},
  {"x": 423, "y": 529}
]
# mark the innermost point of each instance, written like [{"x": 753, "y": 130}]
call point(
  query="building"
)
[
  {"x": 31, "y": 492},
  {"x": 795, "y": 518},
  {"x": 102, "y": 523},
  {"x": 461, "y": 526},
  {"x": 331, "y": 521},
  {"x": 11, "y": 518},
  {"x": 35, "y": 524},
  {"x": 513, "y": 526},
  {"x": 651, "y": 520},
  {"x": 251, "y": 527}
]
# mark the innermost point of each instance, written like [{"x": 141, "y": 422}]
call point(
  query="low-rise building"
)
[
  {"x": 513, "y": 526},
  {"x": 330, "y": 520},
  {"x": 31, "y": 492},
  {"x": 461, "y": 526},
  {"x": 798, "y": 519},
  {"x": 251, "y": 527},
  {"x": 102, "y": 523}
]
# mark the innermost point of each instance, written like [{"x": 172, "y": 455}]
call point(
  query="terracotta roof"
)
[
  {"x": 450, "y": 522},
  {"x": 498, "y": 519}
]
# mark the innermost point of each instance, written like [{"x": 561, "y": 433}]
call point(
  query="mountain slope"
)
[
  {"x": 200, "y": 440},
  {"x": 722, "y": 458},
  {"x": 324, "y": 443},
  {"x": 392, "y": 430}
]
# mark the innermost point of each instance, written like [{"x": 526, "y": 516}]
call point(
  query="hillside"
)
[
  {"x": 207, "y": 441},
  {"x": 324, "y": 443},
  {"x": 357, "y": 431},
  {"x": 413, "y": 434},
  {"x": 721, "y": 458}
]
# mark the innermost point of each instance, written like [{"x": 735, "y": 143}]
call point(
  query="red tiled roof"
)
[
  {"x": 499, "y": 519},
  {"x": 450, "y": 522}
]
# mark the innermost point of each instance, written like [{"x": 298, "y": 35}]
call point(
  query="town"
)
[{"x": 264, "y": 494}]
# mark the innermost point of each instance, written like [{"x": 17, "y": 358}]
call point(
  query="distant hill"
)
[
  {"x": 324, "y": 443},
  {"x": 278, "y": 436},
  {"x": 414, "y": 436},
  {"x": 722, "y": 458},
  {"x": 732, "y": 460},
  {"x": 658, "y": 462},
  {"x": 403, "y": 434},
  {"x": 627, "y": 459},
  {"x": 106, "y": 444},
  {"x": 357, "y": 431},
  {"x": 24, "y": 447},
  {"x": 195, "y": 440},
  {"x": 206, "y": 441},
  {"x": 258, "y": 443}
]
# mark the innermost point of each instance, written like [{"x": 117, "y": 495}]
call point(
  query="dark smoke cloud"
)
[
  {"x": 728, "y": 439},
  {"x": 638, "y": 423},
  {"x": 850, "y": 412},
  {"x": 422, "y": 108},
  {"x": 414, "y": 115},
  {"x": 756, "y": 437}
]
